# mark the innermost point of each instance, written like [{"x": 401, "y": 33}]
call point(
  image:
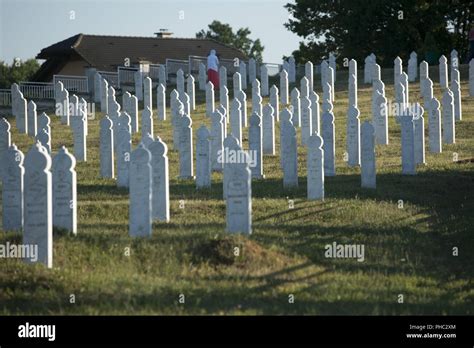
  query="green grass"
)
[{"x": 407, "y": 251}]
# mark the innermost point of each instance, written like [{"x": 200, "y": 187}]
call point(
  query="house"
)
[{"x": 73, "y": 55}]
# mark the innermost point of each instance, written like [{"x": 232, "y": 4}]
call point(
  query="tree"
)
[
  {"x": 17, "y": 71},
  {"x": 356, "y": 28},
  {"x": 223, "y": 32}
]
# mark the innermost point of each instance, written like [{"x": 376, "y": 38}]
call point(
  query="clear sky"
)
[{"x": 27, "y": 26}]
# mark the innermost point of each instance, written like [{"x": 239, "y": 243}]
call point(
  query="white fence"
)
[
  {"x": 111, "y": 77},
  {"x": 74, "y": 84},
  {"x": 5, "y": 97},
  {"x": 173, "y": 65},
  {"x": 37, "y": 90},
  {"x": 126, "y": 76}
]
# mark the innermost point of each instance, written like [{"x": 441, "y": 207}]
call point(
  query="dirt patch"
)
[{"x": 232, "y": 250}]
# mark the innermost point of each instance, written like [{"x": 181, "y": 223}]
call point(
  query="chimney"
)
[{"x": 163, "y": 34}]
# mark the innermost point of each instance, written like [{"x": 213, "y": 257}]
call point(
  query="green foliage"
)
[
  {"x": 356, "y": 28},
  {"x": 223, "y": 32},
  {"x": 17, "y": 71}
]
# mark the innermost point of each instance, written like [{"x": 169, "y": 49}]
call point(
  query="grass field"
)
[{"x": 408, "y": 251}]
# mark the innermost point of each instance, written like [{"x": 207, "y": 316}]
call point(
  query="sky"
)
[{"x": 27, "y": 26}]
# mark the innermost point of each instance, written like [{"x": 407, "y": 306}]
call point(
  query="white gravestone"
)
[
  {"x": 5, "y": 136},
  {"x": 413, "y": 67},
  {"x": 224, "y": 99},
  {"x": 419, "y": 123},
  {"x": 408, "y": 143},
  {"x": 306, "y": 120},
  {"x": 332, "y": 65},
  {"x": 237, "y": 83},
  {"x": 38, "y": 208},
  {"x": 202, "y": 77},
  {"x": 180, "y": 81},
  {"x": 203, "y": 159},
  {"x": 104, "y": 96},
  {"x": 291, "y": 69},
  {"x": 329, "y": 147},
  {"x": 217, "y": 140},
  {"x": 456, "y": 90},
  {"x": 454, "y": 62},
  {"x": 296, "y": 104},
  {"x": 256, "y": 145},
  {"x": 268, "y": 124},
  {"x": 176, "y": 118},
  {"x": 44, "y": 122},
  {"x": 106, "y": 148},
  {"x": 12, "y": 172},
  {"x": 368, "y": 68},
  {"x": 353, "y": 90},
  {"x": 314, "y": 98},
  {"x": 330, "y": 80},
  {"x": 284, "y": 88},
  {"x": 353, "y": 68},
  {"x": 225, "y": 119},
  {"x": 32, "y": 119},
  {"x": 380, "y": 119},
  {"x": 160, "y": 181},
  {"x": 97, "y": 78},
  {"x": 147, "y": 139},
  {"x": 256, "y": 98},
  {"x": 209, "y": 99},
  {"x": 123, "y": 151},
  {"x": 236, "y": 120},
  {"x": 326, "y": 96},
  {"x": 404, "y": 81},
  {"x": 315, "y": 168},
  {"x": 147, "y": 121},
  {"x": 308, "y": 72},
  {"x": 243, "y": 74},
  {"x": 428, "y": 92},
  {"x": 367, "y": 167},
  {"x": 132, "y": 110},
  {"x": 161, "y": 102},
  {"x": 140, "y": 219},
  {"x": 64, "y": 191},
  {"x": 424, "y": 74},
  {"x": 162, "y": 75},
  {"x": 64, "y": 109},
  {"x": 45, "y": 139},
  {"x": 443, "y": 72},
  {"x": 138, "y": 78},
  {"x": 353, "y": 136},
  {"x": 264, "y": 80},
  {"x": 304, "y": 87},
  {"x": 252, "y": 70},
  {"x": 449, "y": 131},
  {"x": 186, "y": 148},
  {"x": 275, "y": 101},
  {"x": 376, "y": 75},
  {"x": 397, "y": 70},
  {"x": 288, "y": 150},
  {"x": 147, "y": 93},
  {"x": 22, "y": 114},
  {"x": 434, "y": 126},
  {"x": 191, "y": 90},
  {"x": 222, "y": 77},
  {"x": 242, "y": 98},
  {"x": 238, "y": 189},
  {"x": 80, "y": 136}
]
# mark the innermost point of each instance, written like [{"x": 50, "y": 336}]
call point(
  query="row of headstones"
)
[
  {"x": 37, "y": 194},
  {"x": 71, "y": 111},
  {"x": 410, "y": 118}
]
